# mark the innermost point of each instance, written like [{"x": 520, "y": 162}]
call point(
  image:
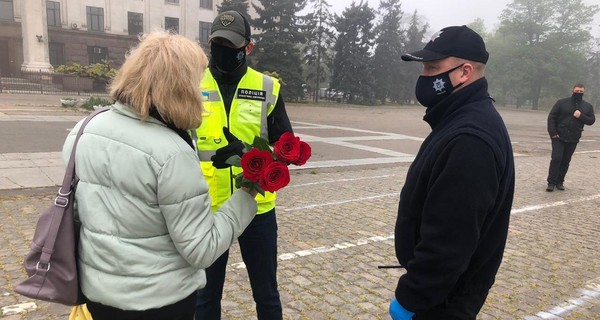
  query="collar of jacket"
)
[
  {"x": 154, "y": 117},
  {"x": 125, "y": 110},
  {"x": 476, "y": 91},
  {"x": 232, "y": 77}
]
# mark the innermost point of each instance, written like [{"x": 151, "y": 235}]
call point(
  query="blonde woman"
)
[{"x": 147, "y": 228}]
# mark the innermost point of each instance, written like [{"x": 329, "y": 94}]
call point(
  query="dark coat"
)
[
  {"x": 562, "y": 122},
  {"x": 454, "y": 207}
]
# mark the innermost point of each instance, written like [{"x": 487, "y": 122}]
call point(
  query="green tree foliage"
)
[
  {"x": 540, "y": 49},
  {"x": 478, "y": 25},
  {"x": 98, "y": 71},
  {"x": 318, "y": 50},
  {"x": 352, "y": 64},
  {"x": 389, "y": 47},
  {"x": 415, "y": 33},
  {"x": 278, "y": 43},
  {"x": 240, "y": 6}
]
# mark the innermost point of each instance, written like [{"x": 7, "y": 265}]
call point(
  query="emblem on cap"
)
[
  {"x": 436, "y": 35},
  {"x": 226, "y": 19}
]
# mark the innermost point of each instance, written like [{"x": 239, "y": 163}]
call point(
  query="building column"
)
[{"x": 34, "y": 28}]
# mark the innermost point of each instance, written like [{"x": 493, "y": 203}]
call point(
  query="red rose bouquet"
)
[{"x": 266, "y": 168}]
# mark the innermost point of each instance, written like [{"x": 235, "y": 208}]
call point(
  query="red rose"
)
[
  {"x": 305, "y": 153},
  {"x": 287, "y": 148},
  {"x": 254, "y": 163},
  {"x": 275, "y": 176}
]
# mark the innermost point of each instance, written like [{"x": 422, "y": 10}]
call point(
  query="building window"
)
[
  {"x": 135, "y": 23},
  {"x": 6, "y": 10},
  {"x": 204, "y": 32},
  {"x": 97, "y": 54},
  {"x": 57, "y": 53},
  {"x": 172, "y": 1},
  {"x": 53, "y": 13},
  {"x": 206, "y": 4},
  {"x": 172, "y": 24},
  {"x": 95, "y": 18}
]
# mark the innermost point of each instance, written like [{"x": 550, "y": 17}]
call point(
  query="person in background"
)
[
  {"x": 455, "y": 205},
  {"x": 565, "y": 125},
  {"x": 147, "y": 228},
  {"x": 240, "y": 103}
]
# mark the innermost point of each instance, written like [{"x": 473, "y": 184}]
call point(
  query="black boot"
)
[{"x": 550, "y": 187}]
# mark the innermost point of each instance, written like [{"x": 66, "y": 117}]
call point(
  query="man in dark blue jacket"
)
[
  {"x": 565, "y": 124},
  {"x": 455, "y": 204}
]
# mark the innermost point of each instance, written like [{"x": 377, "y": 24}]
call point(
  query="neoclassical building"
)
[{"x": 38, "y": 34}]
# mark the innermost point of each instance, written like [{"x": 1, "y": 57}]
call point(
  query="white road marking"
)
[
  {"x": 335, "y": 203},
  {"x": 589, "y": 292},
  {"x": 339, "y": 180},
  {"x": 18, "y": 308},
  {"x": 335, "y": 247},
  {"x": 554, "y": 204},
  {"x": 324, "y": 126},
  {"x": 353, "y": 162}
]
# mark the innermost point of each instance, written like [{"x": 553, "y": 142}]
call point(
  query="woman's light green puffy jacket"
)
[{"x": 147, "y": 227}]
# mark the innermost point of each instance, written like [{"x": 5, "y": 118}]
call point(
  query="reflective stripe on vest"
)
[{"x": 247, "y": 119}]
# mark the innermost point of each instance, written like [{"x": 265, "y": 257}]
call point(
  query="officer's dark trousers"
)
[
  {"x": 258, "y": 245},
  {"x": 457, "y": 307},
  {"x": 561, "y": 157}
]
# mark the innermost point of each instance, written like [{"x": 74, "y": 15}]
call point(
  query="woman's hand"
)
[{"x": 252, "y": 192}]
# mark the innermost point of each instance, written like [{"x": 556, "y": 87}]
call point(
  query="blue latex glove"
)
[{"x": 398, "y": 312}]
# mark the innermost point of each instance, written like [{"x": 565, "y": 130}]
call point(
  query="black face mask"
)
[
  {"x": 225, "y": 58},
  {"x": 577, "y": 97},
  {"x": 430, "y": 90}
]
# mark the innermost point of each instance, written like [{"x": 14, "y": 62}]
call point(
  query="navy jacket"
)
[
  {"x": 455, "y": 205},
  {"x": 562, "y": 122}
]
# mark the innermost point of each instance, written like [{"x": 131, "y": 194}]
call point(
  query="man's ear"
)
[
  {"x": 249, "y": 47},
  {"x": 468, "y": 72}
]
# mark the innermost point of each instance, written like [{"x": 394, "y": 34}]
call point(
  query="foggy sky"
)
[{"x": 443, "y": 13}]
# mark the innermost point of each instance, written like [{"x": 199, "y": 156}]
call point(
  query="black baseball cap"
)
[
  {"x": 232, "y": 26},
  {"x": 455, "y": 41}
]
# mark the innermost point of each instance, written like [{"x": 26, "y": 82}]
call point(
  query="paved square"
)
[{"x": 336, "y": 221}]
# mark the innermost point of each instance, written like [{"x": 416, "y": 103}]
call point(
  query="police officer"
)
[
  {"x": 565, "y": 125},
  {"x": 240, "y": 103}
]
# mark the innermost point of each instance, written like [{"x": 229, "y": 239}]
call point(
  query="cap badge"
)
[
  {"x": 436, "y": 35},
  {"x": 226, "y": 19}
]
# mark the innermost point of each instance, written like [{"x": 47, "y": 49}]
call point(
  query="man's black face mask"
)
[
  {"x": 225, "y": 58},
  {"x": 577, "y": 96}
]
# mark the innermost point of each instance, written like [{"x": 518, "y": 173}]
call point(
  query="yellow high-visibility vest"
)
[{"x": 253, "y": 101}]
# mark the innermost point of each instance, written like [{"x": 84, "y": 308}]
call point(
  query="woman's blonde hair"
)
[{"x": 163, "y": 71}]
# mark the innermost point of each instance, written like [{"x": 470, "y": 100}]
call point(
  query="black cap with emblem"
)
[
  {"x": 456, "y": 41},
  {"x": 232, "y": 26}
]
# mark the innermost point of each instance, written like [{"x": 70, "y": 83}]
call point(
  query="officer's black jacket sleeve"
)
[{"x": 278, "y": 121}]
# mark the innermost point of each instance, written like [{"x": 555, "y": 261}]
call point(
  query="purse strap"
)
[
  {"x": 61, "y": 202},
  {"x": 70, "y": 171}
]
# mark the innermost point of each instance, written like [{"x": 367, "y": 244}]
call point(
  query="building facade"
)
[{"x": 38, "y": 34}]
